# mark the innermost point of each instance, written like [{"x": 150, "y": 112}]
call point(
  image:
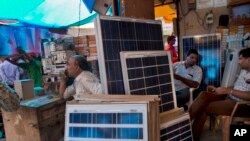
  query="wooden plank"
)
[
  {"x": 104, "y": 97},
  {"x": 171, "y": 115}
]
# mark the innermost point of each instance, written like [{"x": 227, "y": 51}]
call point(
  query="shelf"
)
[{"x": 238, "y": 3}]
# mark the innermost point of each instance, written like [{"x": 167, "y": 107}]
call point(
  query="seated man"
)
[
  {"x": 221, "y": 100},
  {"x": 187, "y": 75},
  {"x": 85, "y": 82}
]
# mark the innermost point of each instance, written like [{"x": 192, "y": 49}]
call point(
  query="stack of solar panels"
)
[
  {"x": 149, "y": 73},
  {"x": 112, "y": 118},
  {"x": 132, "y": 61}
]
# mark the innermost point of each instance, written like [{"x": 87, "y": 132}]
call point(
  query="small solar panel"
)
[
  {"x": 106, "y": 122},
  {"x": 177, "y": 130},
  {"x": 116, "y": 34},
  {"x": 149, "y": 73},
  {"x": 209, "y": 48}
]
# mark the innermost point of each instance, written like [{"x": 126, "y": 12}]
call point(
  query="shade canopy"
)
[{"x": 46, "y": 13}]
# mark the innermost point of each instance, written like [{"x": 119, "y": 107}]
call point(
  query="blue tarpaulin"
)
[{"x": 47, "y": 13}]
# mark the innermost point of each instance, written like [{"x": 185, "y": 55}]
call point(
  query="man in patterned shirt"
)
[
  {"x": 187, "y": 75},
  {"x": 85, "y": 82},
  {"x": 221, "y": 100}
]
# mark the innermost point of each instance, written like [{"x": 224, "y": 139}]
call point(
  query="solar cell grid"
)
[
  {"x": 149, "y": 73},
  {"x": 178, "y": 129},
  {"x": 123, "y": 34}
]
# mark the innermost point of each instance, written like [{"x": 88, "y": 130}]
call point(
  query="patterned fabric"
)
[
  {"x": 241, "y": 83},
  {"x": 193, "y": 73},
  {"x": 85, "y": 83}
]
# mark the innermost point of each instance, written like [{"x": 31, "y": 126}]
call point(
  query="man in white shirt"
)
[
  {"x": 85, "y": 82},
  {"x": 221, "y": 100},
  {"x": 187, "y": 75}
]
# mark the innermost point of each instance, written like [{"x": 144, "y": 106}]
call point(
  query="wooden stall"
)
[{"x": 40, "y": 119}]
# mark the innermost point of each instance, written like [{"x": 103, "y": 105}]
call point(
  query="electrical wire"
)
[{"x": 201, "y": 20}]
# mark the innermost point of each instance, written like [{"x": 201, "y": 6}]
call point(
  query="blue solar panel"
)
[
  {"x": 106, "y": 133},
  {"x": 209, "y": 48},
  {"x": 106, "y": 118},
  {"x": 149, "y": 73},
  {"x": 123, "y": 34},
  {"x": 99, "y": 122}
]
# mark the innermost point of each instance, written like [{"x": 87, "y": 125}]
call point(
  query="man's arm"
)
[
  {"x": 62, "y": 88},
  {"x": 245, "y": 95},
  {"x": 63, "y": 82},
  {"x": 190, "y": 83}
]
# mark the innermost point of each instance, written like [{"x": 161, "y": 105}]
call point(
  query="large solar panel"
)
[
  {"x": 106, "y": 122},
  {"x": 149, "y": 73},
  {"x": 209, "y": 48},
  {"x": 116, "y": 34},
  {"x": 177, "y": 130}
]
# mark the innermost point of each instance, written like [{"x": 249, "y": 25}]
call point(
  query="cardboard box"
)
[{"x": 24, "y": 88}]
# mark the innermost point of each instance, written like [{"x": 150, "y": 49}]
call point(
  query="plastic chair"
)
[{"x": 191, "y": 96}]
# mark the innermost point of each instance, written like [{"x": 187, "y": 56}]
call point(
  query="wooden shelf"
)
[{"x": 238, "y": 3}]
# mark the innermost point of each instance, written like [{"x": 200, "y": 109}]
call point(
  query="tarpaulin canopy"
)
[{"x": 46, "y": 13}]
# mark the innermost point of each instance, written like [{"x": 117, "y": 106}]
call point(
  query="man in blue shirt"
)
[{"x": 9, "y": 72}]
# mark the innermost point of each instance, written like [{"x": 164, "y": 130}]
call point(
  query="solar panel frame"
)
[
  {"x": 108, "y": 109},
  {"x": 125, "y": 55},
  {"x": 176, "y": 126},
  {"x": 133, "y": 37}
]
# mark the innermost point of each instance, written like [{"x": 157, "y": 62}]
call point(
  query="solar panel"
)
[
  {"x": 116, "y": 34},
  {"x": 177, "y": 130},
  {"x": 209, "y": 48},
  {"x": 149, "y": 73},
  {"x": 106, "y": 122},
  {"x": 232, "y": 68}
]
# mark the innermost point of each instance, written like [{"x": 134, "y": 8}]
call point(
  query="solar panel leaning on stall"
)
[{"x": 149, "y": 73}]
